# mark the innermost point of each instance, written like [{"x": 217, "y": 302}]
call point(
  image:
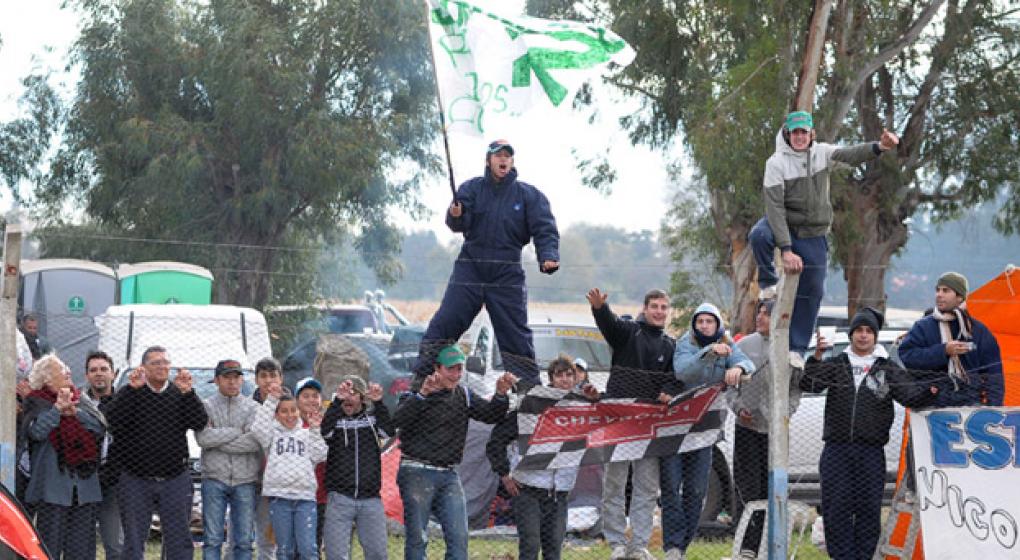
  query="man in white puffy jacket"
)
[{"x": 230, "y": 464}]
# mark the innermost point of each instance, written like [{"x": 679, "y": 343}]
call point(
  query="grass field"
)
[{"x": 490, "y": 549}]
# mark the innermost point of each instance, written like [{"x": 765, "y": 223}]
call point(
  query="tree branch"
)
[{"x": 845, "y": 100}]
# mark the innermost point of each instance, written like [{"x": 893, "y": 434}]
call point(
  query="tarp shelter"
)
[
  {"x": 66, "y": 294},
  {"x": 164, "y": 282},
  {"x": 997, "y": 305}
]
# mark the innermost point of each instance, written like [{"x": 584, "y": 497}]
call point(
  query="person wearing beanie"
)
[
  {"x": 861, "y": 384},
  {"x": 498, "y": 215},
  {"x": 954, "y": 351},
  {"x": 705, "y": 355},
  {"x": 798, "y": 215}
]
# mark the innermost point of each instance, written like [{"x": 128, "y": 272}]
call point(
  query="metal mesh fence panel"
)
[{"x": 184, "y": 433}]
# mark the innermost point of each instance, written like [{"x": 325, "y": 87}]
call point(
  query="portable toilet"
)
[
  {"x": 164, "y": 282},
  {"x": 66, "y": 295}
]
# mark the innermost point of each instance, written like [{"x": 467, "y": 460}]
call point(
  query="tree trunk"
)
[
  {"x": 869, "y": 233},
  {"x": 745, "y": 287},
  {"x": 804, "y": 100}
]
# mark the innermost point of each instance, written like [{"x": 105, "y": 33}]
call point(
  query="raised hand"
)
[
  {"x": 64, "y": 404},
  {"x": 590, "y": 392},
  {"x": 375, "y": 392},
  {"x": 137, "y": 378},
  {"x": 456, "y": 209},
  {"x": 344, "y": 391},
  {"x": 183, "y": 381},
  {"x": 431, "y": 385},
  {"x": 888, "y": 141},
  {"x": 597, "y": 298},
  {"x": 275, "y": 389},
  {"x": 505, "y": 383},
  {"x": 315, "y": 419}
]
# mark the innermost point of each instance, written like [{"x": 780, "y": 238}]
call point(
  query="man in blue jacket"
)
[
  {"x": 951, "y": 341},
  {"x": 498, "y": 216}
]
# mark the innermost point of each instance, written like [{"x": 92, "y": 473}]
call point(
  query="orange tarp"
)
[{"x": 997, "y": 305}]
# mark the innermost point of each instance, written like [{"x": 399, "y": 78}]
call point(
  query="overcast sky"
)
[{"x": 638, "y": 201}]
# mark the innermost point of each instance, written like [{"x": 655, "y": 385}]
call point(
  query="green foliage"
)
[{"x": 270, "y": 127}]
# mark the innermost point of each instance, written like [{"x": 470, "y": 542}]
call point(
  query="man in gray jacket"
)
[
  {"x": 798, "y": 215},
  {"x": 230, "y": 465}
]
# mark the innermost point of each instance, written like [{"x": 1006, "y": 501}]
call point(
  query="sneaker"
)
[
  {"x": 748, "y": 555},
  {"x": 641, "y": 554},
  {"x": 767, "y": 293},
  {"x": 619, "y": 553},
  {"x": 796, "y": 360},
  {"x": 674, "y": 554}
]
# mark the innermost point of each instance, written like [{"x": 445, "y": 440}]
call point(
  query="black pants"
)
[
  {"x": 69, "y": 532},
  {"x": 541, "y": 518},
  {"x": 853, "y": 476},
  {"x": 751, "y": 475}
]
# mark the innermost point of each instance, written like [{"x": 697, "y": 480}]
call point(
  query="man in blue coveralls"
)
[{"x": 498, "y": 216}]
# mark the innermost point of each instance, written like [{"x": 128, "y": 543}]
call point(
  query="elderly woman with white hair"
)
[{"x": 64, "y": 428}]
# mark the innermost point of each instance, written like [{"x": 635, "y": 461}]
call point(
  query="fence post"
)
[
  {"x": 9, "y": 352},
  {"x": 779, "y": 413}
]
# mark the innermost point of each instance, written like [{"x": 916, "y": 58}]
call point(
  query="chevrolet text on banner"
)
[
  {"x": 968, "y": 481},
  {"x": 560, "y": 429},
  {"x": 491, "y": 67}
]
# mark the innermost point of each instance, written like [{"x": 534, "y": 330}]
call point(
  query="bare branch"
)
[{"x": 885, "y": 55}]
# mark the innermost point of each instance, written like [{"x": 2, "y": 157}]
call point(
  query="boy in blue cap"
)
[{"x": 498, "y": 216}]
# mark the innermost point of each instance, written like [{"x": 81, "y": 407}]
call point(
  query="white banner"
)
[
  {"x": 492, "y": 67},
  {"x": 968, "y": 481}
]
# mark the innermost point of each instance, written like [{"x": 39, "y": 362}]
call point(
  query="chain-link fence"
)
[{"x": 176, "y": 430}]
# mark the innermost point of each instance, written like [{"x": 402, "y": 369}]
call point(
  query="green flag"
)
[{"x": 491, "y": 67}]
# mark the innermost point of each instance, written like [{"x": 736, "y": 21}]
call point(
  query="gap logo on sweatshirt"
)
[{"x": 289, "y": 445}]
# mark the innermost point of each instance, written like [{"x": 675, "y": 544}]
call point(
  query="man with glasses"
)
[
  {"x": 150, "y": 419},
  {"x": 99, "y": 376}
]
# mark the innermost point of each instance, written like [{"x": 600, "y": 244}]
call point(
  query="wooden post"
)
[
  {"x": 779, "y": 413},
  {"x": 8, "y": 353}
]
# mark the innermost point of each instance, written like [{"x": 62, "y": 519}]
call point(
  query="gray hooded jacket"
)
[
  {"x": 797, "y": 187},
  {"x": 230, "y": 452}
]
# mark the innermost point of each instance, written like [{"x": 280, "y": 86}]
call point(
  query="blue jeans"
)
[
  {"x": 294, "y": 526},
  {"x": 814, "y": 251},
  {"x": 428, "y": 491},
  {"x": 681, "y": 509},
  {"x": 216, "y": 496}
]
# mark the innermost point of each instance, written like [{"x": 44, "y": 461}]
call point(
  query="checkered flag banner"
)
[{"x": 559, "y": 429}]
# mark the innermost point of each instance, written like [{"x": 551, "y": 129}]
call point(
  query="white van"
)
[{"x": 196, "y": 338}]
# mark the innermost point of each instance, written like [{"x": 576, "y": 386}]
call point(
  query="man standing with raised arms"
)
[{"x": 498, "y": 216}]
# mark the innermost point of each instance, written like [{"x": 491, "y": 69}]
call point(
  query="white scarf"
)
[{"x": 956, "y": 369}]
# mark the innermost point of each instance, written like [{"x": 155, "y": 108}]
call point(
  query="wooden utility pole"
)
[
  {"x": 8, "y": 353},
  {"x": 779, "y": 413}
]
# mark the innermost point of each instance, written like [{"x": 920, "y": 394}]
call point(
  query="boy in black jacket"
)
[
  {"x": 642, "y": 367},
  {"x": 353, "y": 469},
  {"x": 433, "y": 426},
  {"x": 862, "y": 383}
]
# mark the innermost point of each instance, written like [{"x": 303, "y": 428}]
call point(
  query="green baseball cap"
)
[
  {"x": 451, "y": 356},
  {"x": 799, "y": 119}
]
